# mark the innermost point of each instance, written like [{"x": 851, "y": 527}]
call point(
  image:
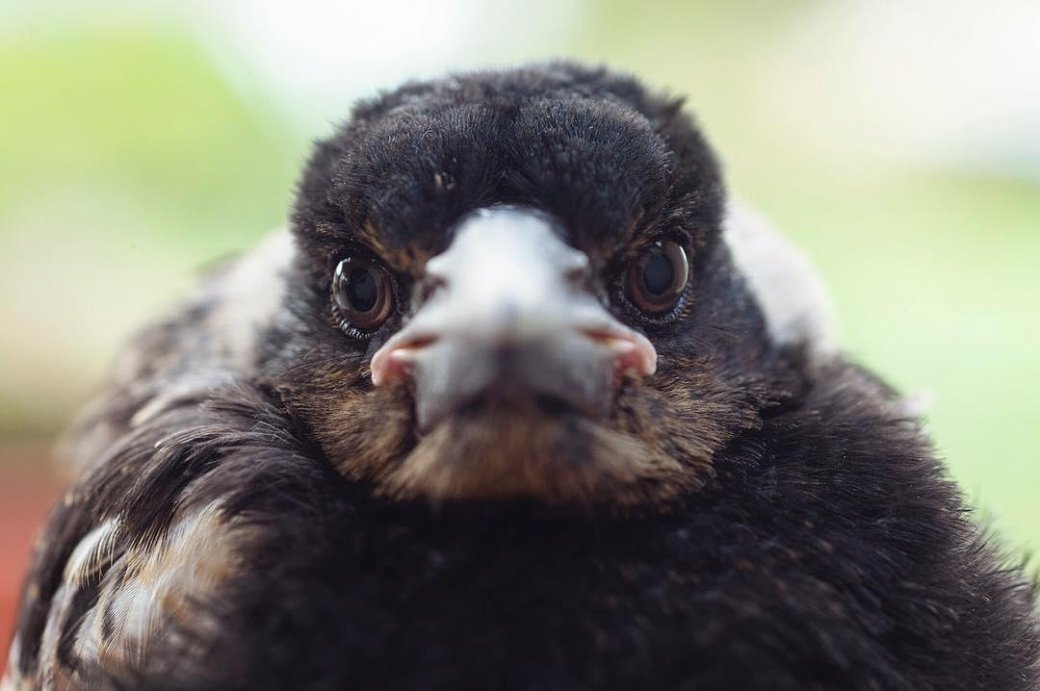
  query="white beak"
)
[{"x": 510, "y": 316}]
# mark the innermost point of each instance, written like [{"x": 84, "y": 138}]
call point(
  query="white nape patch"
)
[
  {"x": 788, "y": 290},
  {"x": 250, "y": 295},
  {"x": 93, "y": 553},
  {"x": 917, "y": 404},
  {"x": 165, "y": 582}
]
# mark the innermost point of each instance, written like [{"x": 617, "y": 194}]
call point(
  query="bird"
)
[{"x": 520, "y": 399}]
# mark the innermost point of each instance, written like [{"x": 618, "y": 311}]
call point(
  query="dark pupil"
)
[
  {"x": 361, "y": 289},
  {"x": 657, "y": 274}
]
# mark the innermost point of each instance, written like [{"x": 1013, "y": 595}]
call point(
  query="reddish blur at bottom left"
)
[{"x": 29, "y": 486}]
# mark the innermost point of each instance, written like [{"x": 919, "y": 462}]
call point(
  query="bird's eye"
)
[
  {"x": 363, "y": 293},
  {"x": 657, "y": 279}
]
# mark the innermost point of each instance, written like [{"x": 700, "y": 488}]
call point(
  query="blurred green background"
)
[{"x": 898, "y": 143}]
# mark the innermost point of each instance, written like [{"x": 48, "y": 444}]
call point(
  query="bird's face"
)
[{"x": 515, "y": 289}]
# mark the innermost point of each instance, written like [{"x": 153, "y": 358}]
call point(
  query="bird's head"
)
[{"x": 514, "y": 285}]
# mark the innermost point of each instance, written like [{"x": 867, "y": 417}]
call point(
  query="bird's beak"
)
[{"x": 510, "y": 321}]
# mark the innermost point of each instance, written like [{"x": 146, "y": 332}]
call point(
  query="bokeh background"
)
[{"x": 897, "y": 142}]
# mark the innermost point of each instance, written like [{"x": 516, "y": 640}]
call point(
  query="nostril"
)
[
  {"x": 576, "y": 269},
  {"x": 601, "y": 336},
  {"x": 394, "y": 360},
  {"x": 578, "y": 272},
  {"x": 426, "y": 289},
  {"x": 418, "y": 342}
]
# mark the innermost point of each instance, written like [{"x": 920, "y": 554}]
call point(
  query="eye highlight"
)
[
  {"x": 657, "y": 279},
  {"x": 363, "y": 293}
]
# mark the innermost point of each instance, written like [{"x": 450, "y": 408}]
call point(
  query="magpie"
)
[{"x": 519, "y": 400}]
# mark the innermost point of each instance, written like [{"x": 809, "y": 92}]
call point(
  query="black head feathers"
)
[{"x": 591, "y": 148}]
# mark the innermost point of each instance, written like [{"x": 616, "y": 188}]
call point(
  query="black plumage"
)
[{"x": 253, "y": 511}]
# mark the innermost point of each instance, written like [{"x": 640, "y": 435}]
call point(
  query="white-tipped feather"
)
[
  {"x": 163, "y": 582},
  {"x": 93, "y": 553},
  {"x": 13, "y": 680}
]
